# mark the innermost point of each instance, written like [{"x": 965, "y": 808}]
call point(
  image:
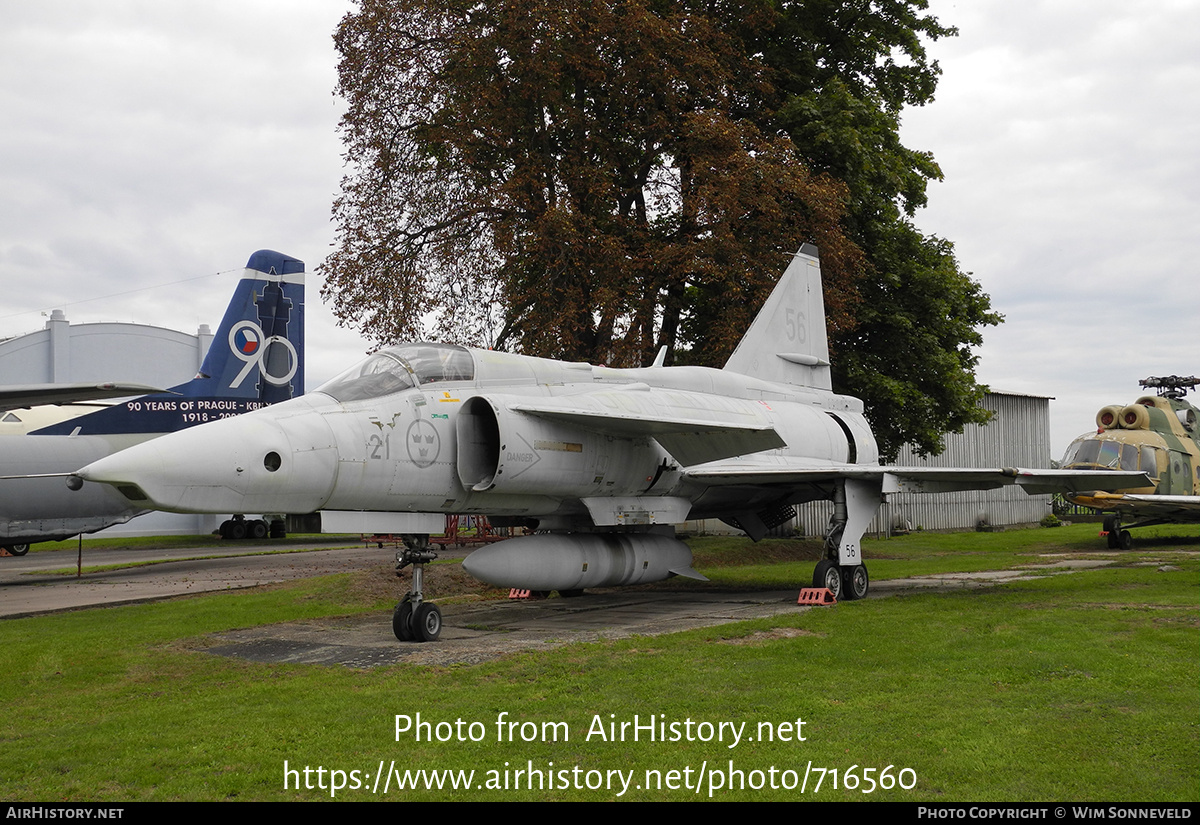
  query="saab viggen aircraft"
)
[
  {"x": 255, "y": 359},
  {"x": 602, "y": 462}
]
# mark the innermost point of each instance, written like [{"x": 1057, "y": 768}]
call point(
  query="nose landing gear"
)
[{"x": 414, "y": 619}]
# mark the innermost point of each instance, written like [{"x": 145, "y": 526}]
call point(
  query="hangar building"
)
[{"x": 63, "y": 353}]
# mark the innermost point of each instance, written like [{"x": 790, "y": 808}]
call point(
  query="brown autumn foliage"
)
[
  {"x": 576, "y": 181},
  {"x": 593, "y": 180}
]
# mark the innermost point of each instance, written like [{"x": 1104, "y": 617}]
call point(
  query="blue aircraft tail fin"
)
[
  {"x": 257, "y": 352},
  {"x": 256, "y": 358}
]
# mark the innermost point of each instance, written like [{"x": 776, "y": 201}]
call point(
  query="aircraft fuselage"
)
[
  {"x": 37, "y": 509},
  {"x": 442, "y": 429}
]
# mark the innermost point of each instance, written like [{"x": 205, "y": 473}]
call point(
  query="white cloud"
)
[
  {"x": 148, "y": 142},
  {"x": 1066, "y": 131}
]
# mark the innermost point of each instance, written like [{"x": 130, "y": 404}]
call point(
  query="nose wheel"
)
[
  {"x": 414, "y": 619},
  {"x": 427, "y": 622},
  {"x": 402, "y": 620},
  {"x": 420, "y": 624}
]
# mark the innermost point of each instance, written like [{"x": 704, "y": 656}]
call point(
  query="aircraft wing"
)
[
  {"x": 923, "y": 479},
  {"x": 17, "y": 396},
  {"x": 690, "y": 441},
  {"x": 1175, "y": 508}
]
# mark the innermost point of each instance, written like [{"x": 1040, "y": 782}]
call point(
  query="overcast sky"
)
[{"x": 144, "y": 143}]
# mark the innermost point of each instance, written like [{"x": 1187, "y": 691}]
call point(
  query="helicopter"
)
[{"x": 1156, "y": 434}]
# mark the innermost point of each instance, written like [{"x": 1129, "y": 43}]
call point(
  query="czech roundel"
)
[{"x": 247, "y": 341}]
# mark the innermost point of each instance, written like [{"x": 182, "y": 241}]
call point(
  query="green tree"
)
[
  {"x": 910, "y": 352},
  {"x": 595, "y": 180},
  {"x": 842, "y": 73}
]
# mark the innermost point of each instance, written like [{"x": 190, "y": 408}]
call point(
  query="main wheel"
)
[
  {"x": 828, "y": 574},
  {"x": 258, "y": 529},
  {"x": 855, "y": 582},
  {"x": 17, "y": 549},
  {"x": 402, "y": 621},
  {"x": 237, "y": 530},
  {"x": 1125, "y": 541},
  {"x": 427, "y": 622},
  {"x": 1112, "y": 531}
]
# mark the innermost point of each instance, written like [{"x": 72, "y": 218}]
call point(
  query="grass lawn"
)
[{"x": 1075, "y": 687}]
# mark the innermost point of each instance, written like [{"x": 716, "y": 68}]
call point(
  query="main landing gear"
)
[
  {"x": 414, "y": 619},
  {"x": 842, "y": 571},
  {"x": 1118, "y": 539},
  {"x": 846, "y": 582},
  {"x": 239, "y": 528}
]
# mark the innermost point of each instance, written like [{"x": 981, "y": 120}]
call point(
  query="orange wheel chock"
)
[
  {"x": 817, "y": 596},
  {"x": 529, "y": 595}
]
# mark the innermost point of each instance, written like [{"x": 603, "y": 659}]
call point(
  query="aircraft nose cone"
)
[
  {"x": 260, "y": 462},
  {"x": 130, "y": 471}
]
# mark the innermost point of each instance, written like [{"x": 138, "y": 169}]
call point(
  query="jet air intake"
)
[
  {"x": 509, "y": 451},
  {"x": 1109, "y": 417}
]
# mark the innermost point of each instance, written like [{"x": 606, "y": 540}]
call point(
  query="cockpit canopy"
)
[
  {"x": 1092, "y": 453},
  {"x": 399, "y": 368}
]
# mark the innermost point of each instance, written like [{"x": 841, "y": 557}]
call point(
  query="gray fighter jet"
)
[{"x": 600, "y": 461}]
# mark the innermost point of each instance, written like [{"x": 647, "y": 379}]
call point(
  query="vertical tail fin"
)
[
  {"x": 258, "y": 350},
  {"x": 256, "y": 358},
  {"x": 786, "y": 342}
]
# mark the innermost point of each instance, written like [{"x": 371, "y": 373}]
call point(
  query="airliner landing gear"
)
[{"x": 414, "y": 619}]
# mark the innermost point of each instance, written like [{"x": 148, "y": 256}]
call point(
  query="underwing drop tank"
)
[{"x": 551, "y": 561}]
